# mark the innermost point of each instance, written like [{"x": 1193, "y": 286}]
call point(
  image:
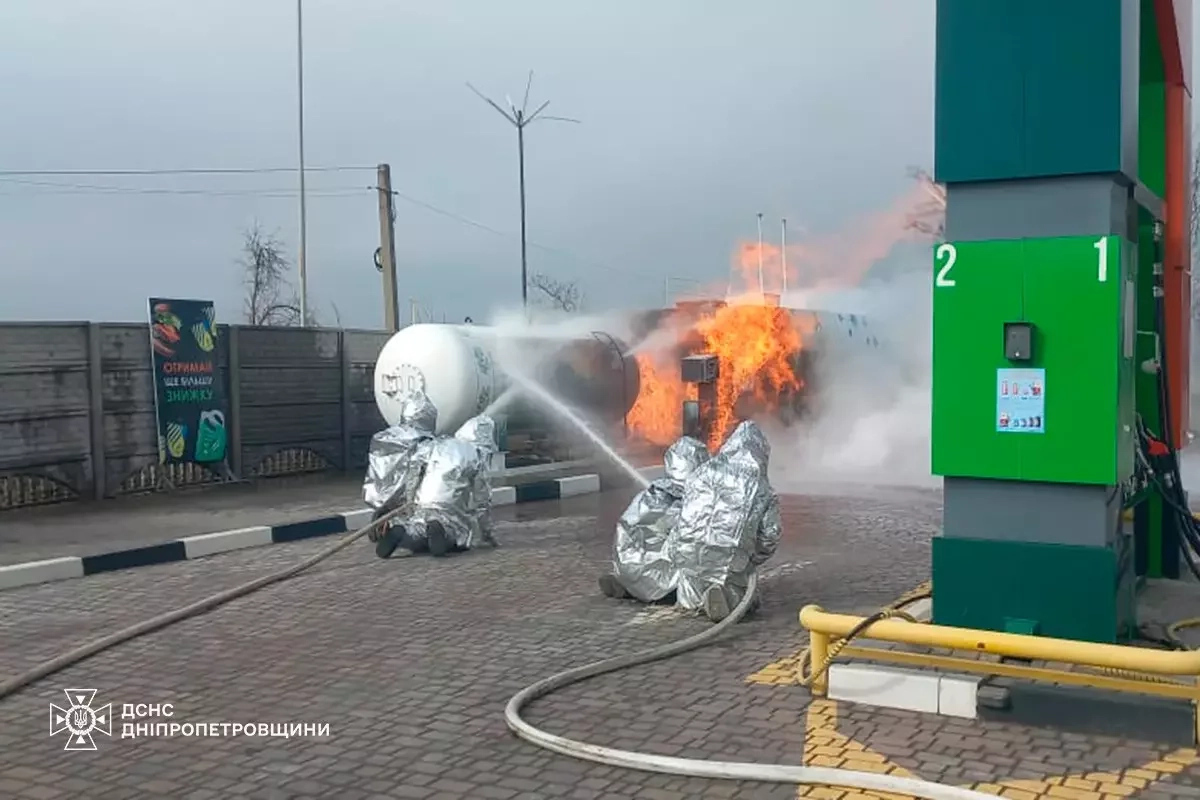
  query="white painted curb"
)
[
  {"x": 578, "y": 484},
  {"x": 207, "y": 544},
  {"x": 504, "y": 495},
  {"x": 53, "y": 569},
  {"x": 357, "y": 519}
]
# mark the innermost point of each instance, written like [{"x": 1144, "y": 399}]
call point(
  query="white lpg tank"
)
[
  {"x": 459, "y": 368},
  {"x": 856, "y": 337}
]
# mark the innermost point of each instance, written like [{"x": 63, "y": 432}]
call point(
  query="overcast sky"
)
[{"x": 696, "y": 114}]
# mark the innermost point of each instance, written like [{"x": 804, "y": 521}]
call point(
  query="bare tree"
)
[
  {"x": 270, "y": 297},
  {"x": 930, "y": 217},
  {"x": 562, "y": 295}
]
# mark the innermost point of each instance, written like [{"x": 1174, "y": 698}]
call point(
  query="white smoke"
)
[
  {"x": 524, "y": 342},
  {"x": 872, "y": 416}
]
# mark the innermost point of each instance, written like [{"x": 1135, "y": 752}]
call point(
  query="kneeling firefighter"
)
[
  {"x": 729, "y": 524},
  {"x": 642, "y": 566},
  {"x": 695, "y": 536},
  {"x": 441, "y": 482}
]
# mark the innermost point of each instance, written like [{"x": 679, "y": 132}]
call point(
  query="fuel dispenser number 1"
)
[{"x": 1101, "y": 245}]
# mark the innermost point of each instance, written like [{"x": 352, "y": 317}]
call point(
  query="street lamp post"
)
[
  {"x": 762, "y": 286},
  {"x": 301, "y": 261},
  {"x": 519, "y": 118}
]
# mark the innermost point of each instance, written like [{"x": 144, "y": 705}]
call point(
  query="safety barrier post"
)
[{"x": 818, "y": 644}]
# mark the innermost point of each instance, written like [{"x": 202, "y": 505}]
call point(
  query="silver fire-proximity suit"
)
[
  {"x": 441, "y": 482},
  {"x": 480, "y": 432},
  {"x": 641, "y": 564},
  {"x": 729, "y": 524},
  {"x": 396, "y": 455}
]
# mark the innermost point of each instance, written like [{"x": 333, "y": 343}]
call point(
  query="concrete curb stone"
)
[{"x": 207, "y": 544}]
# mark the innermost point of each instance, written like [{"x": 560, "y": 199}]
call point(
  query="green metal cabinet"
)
[
  {"x": 1027, "y": 88},
  {"x": 1078, "y": 293}
]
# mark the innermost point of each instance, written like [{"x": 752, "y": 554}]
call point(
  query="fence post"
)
[
  {"x": 347, "y": 410},
  {"x": 233, "y": 378},
  {"x": 95, "y": 367}
]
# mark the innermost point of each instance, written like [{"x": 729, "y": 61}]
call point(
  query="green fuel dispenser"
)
[
  {"x": 1050, "y": 138},
  {"x": 1034, "y": 430}
]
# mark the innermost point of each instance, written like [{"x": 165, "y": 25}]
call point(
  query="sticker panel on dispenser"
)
[{"x": 1020, "y": 400}]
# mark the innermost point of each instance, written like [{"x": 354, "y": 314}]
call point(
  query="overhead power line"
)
[
  {"x": 17, "y": 179},
  {"x": 64, "y": 188},
  {"x": 86, "y": 188},
  {"x": 544, "y": 248},
  {"x": 193, "y": 171}
]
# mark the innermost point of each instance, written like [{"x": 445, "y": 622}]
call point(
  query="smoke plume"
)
[{"x": 872, "y": 416}]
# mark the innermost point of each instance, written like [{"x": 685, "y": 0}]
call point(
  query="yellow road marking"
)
[
  {"x": 779, "y": 673},
  {"x": 824, "y": 746}
]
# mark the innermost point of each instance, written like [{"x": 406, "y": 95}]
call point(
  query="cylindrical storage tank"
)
[{"x": 460, "y": 368}]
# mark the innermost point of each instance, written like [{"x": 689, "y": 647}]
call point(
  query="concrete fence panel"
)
[
  {"x": 45, "y": 433},
  {"x": 363, "y": 420},
  {"x": 290, "y": 393},
  {"x": 77, "y": 417}
]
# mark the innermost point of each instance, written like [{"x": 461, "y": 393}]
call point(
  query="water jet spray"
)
[{"x": 464, "y": 369}]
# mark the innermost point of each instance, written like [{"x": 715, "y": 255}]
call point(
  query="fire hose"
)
[
  {"x": 95, "y": 646},
  {"x": 645, "y": 762},
  {"x": 695, "y": 767}
]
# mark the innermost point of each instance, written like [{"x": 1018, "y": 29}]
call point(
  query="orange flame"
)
[
  {"x": 756, "y": 344},
  {"x": 755, "y": 341}
]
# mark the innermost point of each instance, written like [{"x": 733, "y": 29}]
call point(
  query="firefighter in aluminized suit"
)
[
  {"x": 729, "y": 524},
  {"x": 440, "y": 481},
  {"x": 642, "y": 567}
]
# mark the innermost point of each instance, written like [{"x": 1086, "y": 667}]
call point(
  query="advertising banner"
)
[{"x": 189, "y": 397}]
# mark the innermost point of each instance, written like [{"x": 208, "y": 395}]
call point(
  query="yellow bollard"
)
[{"x": 818, "y": 648}]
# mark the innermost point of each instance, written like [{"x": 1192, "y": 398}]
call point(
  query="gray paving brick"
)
[{"x": 411, "y": 662}]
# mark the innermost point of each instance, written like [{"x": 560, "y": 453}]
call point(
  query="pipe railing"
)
[{"x": 825, "y": 627}]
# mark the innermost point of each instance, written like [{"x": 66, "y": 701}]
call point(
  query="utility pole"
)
[
  {"x": 387, "y": 248},
  {"x": 519, "y": 118},
  {"x": 301, "y": 262}
]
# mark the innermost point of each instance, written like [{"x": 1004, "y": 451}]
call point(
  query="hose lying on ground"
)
[
  {"x": 604, "y": 755},
  {"x": 90, "y": 649},
  {"x": 699, "y": 768}
]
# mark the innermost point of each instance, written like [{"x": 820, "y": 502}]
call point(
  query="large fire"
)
[{"x": 756, "y": 343}]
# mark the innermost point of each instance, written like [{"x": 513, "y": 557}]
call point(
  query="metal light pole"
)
[
  {"x": 762, "y": 287},
  {"x": 519, "y": 118},
  {"x": 520, "y": 121},
  {"x": 783, "y": 255},
  {"x": 301, "y": 262}
]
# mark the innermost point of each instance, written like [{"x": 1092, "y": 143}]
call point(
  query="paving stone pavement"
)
[{"x": 410, "y": 663}]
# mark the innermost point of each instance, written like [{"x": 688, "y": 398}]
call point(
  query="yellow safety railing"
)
[{"x": 1120, "y": 667}]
